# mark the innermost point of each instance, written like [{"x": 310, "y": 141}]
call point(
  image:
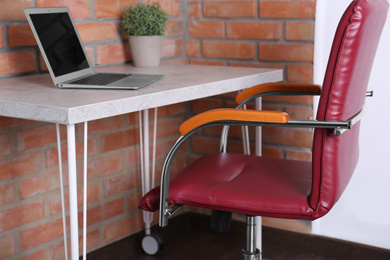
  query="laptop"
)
[{"x": 65, "y": 56}]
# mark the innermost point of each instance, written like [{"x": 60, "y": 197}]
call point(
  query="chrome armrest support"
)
[
  {"x": 223, "y": 143},
  {"x": 338, "y": 126},
  {"x": 165, "y": 212},
  {"x": 225, "y": 130},
  {"x": 174, "y": 209},
  {"x": 274, "y": 93}
]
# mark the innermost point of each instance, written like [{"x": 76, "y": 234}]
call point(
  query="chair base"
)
[{"x": 251, "y": 256}]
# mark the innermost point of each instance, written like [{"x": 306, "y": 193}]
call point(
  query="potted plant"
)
[{"x": 145, "y": 25}]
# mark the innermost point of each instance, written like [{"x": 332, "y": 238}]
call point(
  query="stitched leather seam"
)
[{"x": 211, "y": 196}]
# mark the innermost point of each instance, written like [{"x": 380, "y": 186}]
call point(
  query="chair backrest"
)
[{"x": 343, "y": 94}]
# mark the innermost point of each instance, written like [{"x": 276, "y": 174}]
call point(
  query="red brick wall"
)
[
  {"x": 259, "y": 34},
  {"x": 255, "y": 33}
]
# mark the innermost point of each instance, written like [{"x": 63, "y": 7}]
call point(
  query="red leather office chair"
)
[{"x": 258, "y": 186}]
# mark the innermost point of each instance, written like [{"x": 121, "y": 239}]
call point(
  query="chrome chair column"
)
[{"x": 251, "y": 252}]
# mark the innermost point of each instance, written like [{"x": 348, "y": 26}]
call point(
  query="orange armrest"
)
[
  {"x": 235, "y": 115},
  {"x": 284, "y": 87}
]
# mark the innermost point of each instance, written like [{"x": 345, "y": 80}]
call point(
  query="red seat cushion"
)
[{"x": 244, "y": 184}]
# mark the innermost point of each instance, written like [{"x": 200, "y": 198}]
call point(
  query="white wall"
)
[{"x": 363, "y": 213}]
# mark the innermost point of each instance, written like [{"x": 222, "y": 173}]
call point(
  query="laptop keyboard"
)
[{"x": 100, "y": 79}]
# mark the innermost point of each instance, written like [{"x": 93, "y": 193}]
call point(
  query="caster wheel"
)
[{"x": 151, "y": 244}]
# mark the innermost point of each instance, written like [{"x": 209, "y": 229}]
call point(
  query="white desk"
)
[{"x": 36, "y": 98}]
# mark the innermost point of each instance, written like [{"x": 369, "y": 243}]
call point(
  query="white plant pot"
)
[{"x": 146, "y": 50}]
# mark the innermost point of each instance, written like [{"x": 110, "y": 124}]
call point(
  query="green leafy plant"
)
[{"x": 144, "y": 19}]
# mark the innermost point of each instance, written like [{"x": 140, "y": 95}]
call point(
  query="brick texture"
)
[
  {"x": 243, "y": 8},
  {"x": 55, "y": 200},
  {"x": 6, "y": 194},
  {"x": 192, "y": 48},
  {"x": 21, "y": 215},
  {"x": 246, "y": 33},
  {"x": 104, "y": 31},
  {"x": 13, "y": 10},
  {"x": 112, "y": 53},
  {"x": 206, "y": 29},
  {"x": 122, "y": 227},
  {"x": 78, "y": 8},
  {"x": 300, "y": 31},
  {"x": 119, "y": 140},
  {"x": 254, "y": 30},
  {"x": 106, "y": 165},
  {"x": 35, "y": 256},
  {"x": 172, "y": 7},
  {"x": 47, "y": 232},
  {"x": 20, "y": 35},
  {"x": 35, "y": 137},
  {"x": 58, "y": 252},
  {"x": 18, "y": 166},
  {"x": 108, "y": 8},
  {"x": 287, "y": 9},
  {"x": 172, "y": 48},
  {"x": 1, "y": 37},
  {"x": 10, "y": 62},
  {"x": 103, "y": 212},
  {"x": 7, "y": 246},
  {"x": 39, "y": 184},
  {"x": 51, "y": 154},
  {"x": 300, "y": 73},
  {"x": 4, "y": 145},
  {"x": 232, "y": 50},
  {"x": 119, "y": 184},
  {"x": 286, "y": 52},
  {"x": 175, "y": 27},
  {"x": 194, "y": 9}
]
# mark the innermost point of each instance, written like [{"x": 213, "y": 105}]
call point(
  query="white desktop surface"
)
[{"x": 36, "y": 98}]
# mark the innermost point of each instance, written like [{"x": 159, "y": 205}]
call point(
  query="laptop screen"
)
[{"x": 60, "y": 42}]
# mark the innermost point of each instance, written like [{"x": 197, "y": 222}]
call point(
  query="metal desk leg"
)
[
  {"x": 151, "y": 243},
  {"x": 85, "y": 191},
  {"x": 71, "y": 140},
  {"x": 62, "y": 190},
  {"x": 74, "y": 229}
]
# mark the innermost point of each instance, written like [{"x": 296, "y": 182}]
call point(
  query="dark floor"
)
[{"x": 189, "y": 237}]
